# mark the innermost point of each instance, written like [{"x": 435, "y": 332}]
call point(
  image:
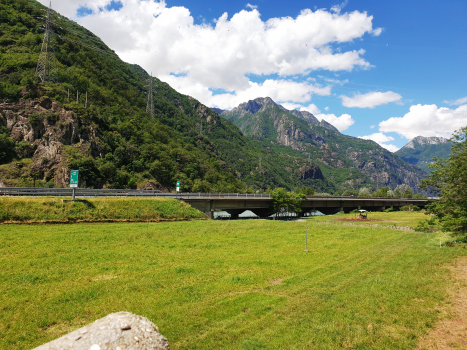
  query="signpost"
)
[
  {"x": 74, "y": 181},
  {"x": 178, "y": 186}
]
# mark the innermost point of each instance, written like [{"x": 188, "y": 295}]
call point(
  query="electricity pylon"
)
[
  {"x": 47, "y": 65},
  {"x": 150, "y": 105}
]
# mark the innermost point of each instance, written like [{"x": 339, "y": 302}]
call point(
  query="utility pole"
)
[
  {"x": 150, "y": 105},
  {"x": 47, "y": 65}
]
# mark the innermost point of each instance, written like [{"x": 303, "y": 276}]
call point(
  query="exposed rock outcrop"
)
[
  {"x": 42, "y": 127},
  {"x": 312, "y": 172}
]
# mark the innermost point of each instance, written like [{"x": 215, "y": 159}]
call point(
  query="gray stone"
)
[{"x": 121, "y": 330}]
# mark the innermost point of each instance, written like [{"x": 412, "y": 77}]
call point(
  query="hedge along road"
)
[{"x": 225, "y": 285}]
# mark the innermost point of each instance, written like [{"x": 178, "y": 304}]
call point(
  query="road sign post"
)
[
  {"x": 74, "y": 181},
  {"x": 178, "y": 186}
]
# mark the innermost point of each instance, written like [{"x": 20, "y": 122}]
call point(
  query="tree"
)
[
  {"x": 7, "y": 148},
  {"x": 403, "y": 191},
  {"x": 448, "y": 179},
  {"x": 364, "y": 192},
  {"x": 287, "y": 202},
  {"x": 348, "y": 193},
  {"x": 306, "y": 191},
  {"x": 382, "y": 192}
]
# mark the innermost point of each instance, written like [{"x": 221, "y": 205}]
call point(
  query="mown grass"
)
[
  {"x": 225, "y": 285},
  {"x": 399, "y": 218},
  {"x": 53, "y": 209}
]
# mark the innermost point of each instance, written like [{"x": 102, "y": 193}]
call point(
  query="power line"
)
[{"x": 47, "y": 64}]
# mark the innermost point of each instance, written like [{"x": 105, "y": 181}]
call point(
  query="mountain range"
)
[{"x": 346, "y": 161}]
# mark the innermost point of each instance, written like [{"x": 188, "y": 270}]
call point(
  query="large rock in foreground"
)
[{"x": 119, "y": 331}]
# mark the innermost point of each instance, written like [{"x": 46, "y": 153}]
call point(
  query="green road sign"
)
[
  {"x": 74, "y": 178},
  {"x": 178, "y": 186}
]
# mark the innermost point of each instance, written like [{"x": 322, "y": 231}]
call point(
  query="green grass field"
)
[
  {"x": 55, "y": 210},
  {"x": 225, "y": 285},
  {"x": 400, "y": 218}
]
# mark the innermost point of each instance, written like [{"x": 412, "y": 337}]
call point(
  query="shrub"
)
[{"x": 34, "y": 119}]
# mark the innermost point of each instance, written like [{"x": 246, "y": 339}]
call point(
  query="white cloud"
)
[
  {"x": 341, "y": 123},
  {"x": 311, "y": 108},
  {"x": 334, "y": 81},
  {"x": 372, "y": 127},
  {"x": 370, "y": 100},
  {"x": 253, "y": 7},
  {"x": 457, "y": 102},
  {"x": 280, "y": 90},
  {"x": 166, "y": 40},
  {"x": 326, "y": 108},
  {"x": 381, "y": 139},
  {"x": 338, "y": 8},
  {"x": 427, "y": 120}
]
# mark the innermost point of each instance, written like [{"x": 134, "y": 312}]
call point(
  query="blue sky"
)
[{"x": 397, "y": 69}]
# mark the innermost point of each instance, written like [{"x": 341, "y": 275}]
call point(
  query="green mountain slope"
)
[
  {"x": 346, "y": 161},
  {"x": 420, "y": 151},
  {"x": 46, "y": 129}
]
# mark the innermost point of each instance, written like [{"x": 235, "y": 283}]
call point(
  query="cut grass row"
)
[
  {"x": 225, "y": 285},
  {"x": 51, "y": 209},
  {"x": 399, "y": 218}
]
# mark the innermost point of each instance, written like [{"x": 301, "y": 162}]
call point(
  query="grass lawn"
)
[
  {"x": 225, "y": 285},
  {"x": 400, "y": 218},
  {"x": 53, "y": 209}
]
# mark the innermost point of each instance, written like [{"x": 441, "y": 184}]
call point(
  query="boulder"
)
[{"x": 118, "y": 331}]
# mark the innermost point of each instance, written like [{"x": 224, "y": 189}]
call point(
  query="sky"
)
[{"x": 382, "y": 70}]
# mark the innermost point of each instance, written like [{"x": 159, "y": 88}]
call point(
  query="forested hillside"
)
[{"x": 46, "y": 129}]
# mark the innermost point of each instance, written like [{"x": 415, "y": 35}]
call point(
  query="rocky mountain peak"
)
[
  {"x": 424, "y": 141},
  {"x": 254, "y": 106}
]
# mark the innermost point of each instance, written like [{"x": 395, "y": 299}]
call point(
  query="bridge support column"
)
[{"x": 208, "y": 209}]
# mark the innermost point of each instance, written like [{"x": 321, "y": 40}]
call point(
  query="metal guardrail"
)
[{"x": 86, "y": 192}]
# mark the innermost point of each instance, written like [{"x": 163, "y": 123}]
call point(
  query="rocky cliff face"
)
[{"x": 42, "y": 127}]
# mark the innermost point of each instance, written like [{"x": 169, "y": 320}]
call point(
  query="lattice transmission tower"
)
[
  {"x": 47, "y": 65},
  {"x": 150, "y": 105}
]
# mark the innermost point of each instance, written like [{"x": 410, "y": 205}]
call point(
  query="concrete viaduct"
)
[
  {"x": 263, "y": 206},
  {"x": 233, "y": 203}
]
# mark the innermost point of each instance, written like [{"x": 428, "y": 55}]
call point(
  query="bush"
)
[
  {"x": 7, "y": 149},
  {"x": 34, "y": 119}
]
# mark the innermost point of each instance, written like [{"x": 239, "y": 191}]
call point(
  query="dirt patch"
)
[
  {"x": 359, "y": 219},
  {"x": 451, "y": 333},
  {"x": 276, "y": 282}
]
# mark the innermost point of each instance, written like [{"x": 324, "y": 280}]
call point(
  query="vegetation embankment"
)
[
  {"x": 43, "y": 209},
  {"x": 225, "y": 285}
]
